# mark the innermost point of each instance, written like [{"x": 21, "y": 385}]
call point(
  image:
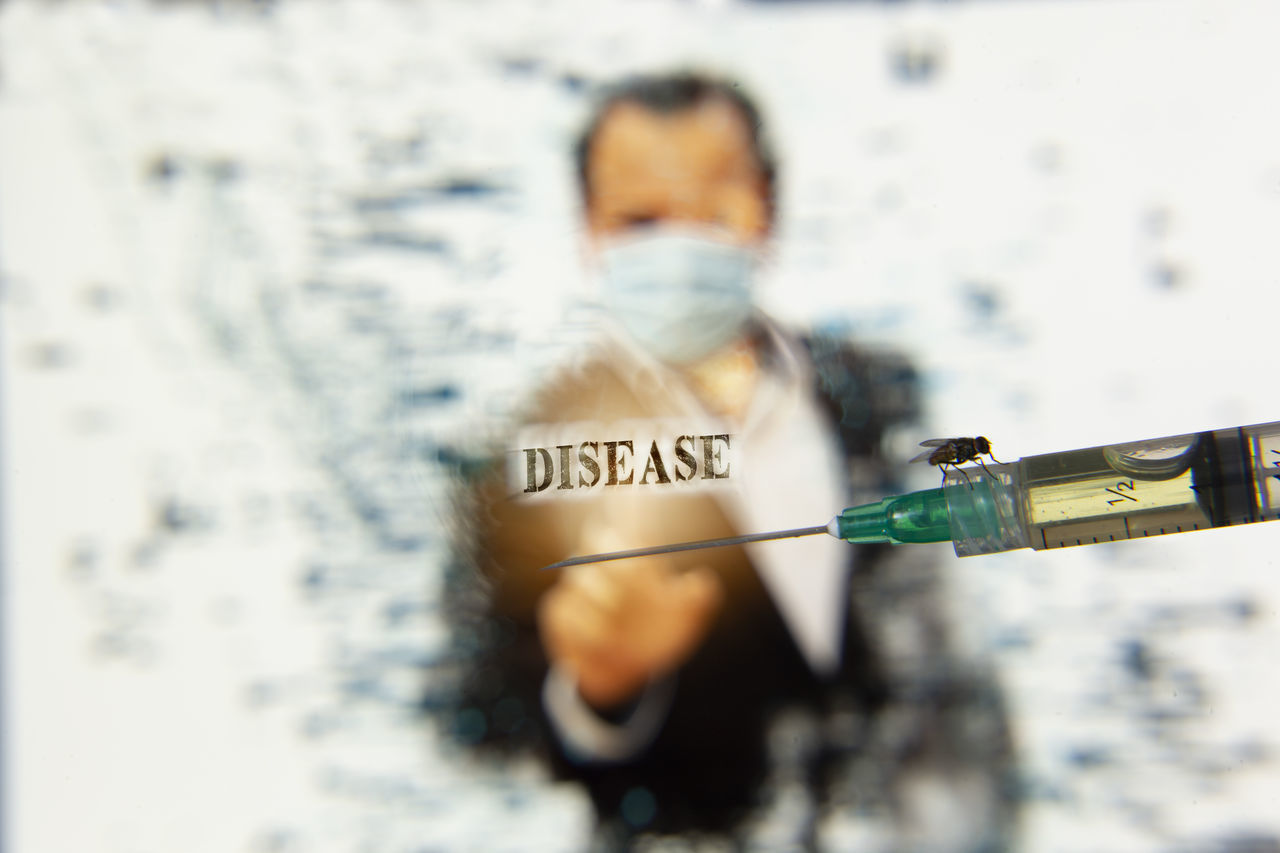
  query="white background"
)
[{"x": 260, "y": 262}]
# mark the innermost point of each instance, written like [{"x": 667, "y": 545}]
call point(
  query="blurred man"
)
[{"x": 740, "y": 690}]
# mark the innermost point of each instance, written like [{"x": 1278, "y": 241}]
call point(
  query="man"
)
[{"x": 697, "y": 691}]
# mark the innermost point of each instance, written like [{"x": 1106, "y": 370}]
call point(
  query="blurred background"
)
[{"x": 266, "y": 268}]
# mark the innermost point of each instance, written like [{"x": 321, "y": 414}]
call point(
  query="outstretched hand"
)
[{"x": 618, "y": 626}]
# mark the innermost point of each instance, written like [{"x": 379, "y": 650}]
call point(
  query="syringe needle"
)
[{"x": 688, "y": 546}]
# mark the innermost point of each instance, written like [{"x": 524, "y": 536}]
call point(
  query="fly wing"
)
[{"x": 928, "y": 442}]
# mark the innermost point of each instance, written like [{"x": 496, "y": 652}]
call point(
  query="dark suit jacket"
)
[{"x": 708, "y": 766}]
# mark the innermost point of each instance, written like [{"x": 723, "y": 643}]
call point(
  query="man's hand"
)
[{"x": 618, "y": 626}]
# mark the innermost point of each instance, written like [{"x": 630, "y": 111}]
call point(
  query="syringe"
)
[{"x": 1175, "y": 484}]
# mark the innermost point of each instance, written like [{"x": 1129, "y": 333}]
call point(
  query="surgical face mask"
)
[{"x": 679, "y": 292}]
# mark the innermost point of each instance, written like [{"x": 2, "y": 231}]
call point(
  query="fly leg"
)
[{"x": 955, "y": 467}]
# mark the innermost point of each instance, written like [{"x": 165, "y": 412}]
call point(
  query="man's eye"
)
[{"x": 633, "y": 220}]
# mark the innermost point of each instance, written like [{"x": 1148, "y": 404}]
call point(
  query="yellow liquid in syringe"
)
[
  {"x": 1090, "y": 503},
  {"x": 1173, "y": 485}
]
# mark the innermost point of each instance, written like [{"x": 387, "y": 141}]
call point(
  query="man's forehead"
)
[{"x": 708, "y": 139}]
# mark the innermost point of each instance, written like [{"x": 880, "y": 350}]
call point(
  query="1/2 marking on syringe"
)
[{"x": 1119, "y": 490}]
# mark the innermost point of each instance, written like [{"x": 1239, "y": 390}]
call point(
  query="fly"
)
[{"x": 955, "y": 452}]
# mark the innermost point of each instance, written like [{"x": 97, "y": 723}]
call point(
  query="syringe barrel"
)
[{"x": 1108, "y": 493}]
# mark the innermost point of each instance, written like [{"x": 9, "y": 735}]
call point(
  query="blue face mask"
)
[{"x": 681, "y": 294}]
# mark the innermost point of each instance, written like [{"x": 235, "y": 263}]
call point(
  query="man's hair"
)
[{"x": 666, "y": 94}]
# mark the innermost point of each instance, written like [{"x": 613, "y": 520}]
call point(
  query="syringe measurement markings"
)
[{"x": 1120, "y": 487}]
